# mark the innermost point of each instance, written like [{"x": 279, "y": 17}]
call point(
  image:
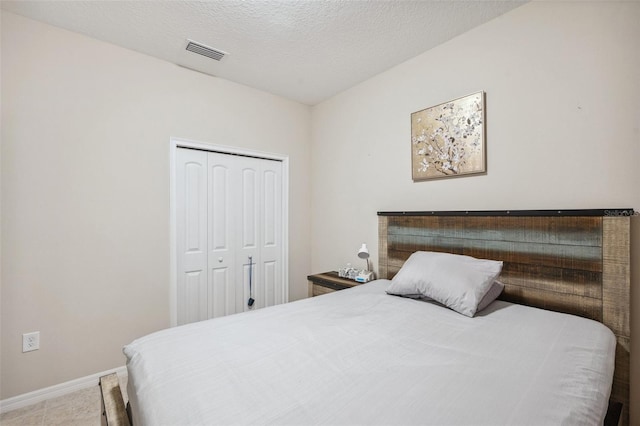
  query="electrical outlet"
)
[{"x": 31, "y": 341}]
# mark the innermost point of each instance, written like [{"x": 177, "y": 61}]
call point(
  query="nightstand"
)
[{"x": 328, "y": 282}]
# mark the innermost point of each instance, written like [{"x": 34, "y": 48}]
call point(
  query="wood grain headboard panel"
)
[{"x": 575, "y": 261}]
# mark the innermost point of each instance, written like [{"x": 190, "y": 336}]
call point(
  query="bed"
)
[{"x": 544, "y": 354}]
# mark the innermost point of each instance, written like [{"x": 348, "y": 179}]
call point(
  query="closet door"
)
[
  {"x": 260, "y": 232},
  {"x": 191, "y": 231},
  {"x": 229, "y": 234},
  {"x": 271, "y": 290},
  {"x": 225, "y": 296}
]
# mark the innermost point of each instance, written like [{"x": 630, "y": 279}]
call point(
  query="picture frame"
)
[{"x": 448, "y": 139}]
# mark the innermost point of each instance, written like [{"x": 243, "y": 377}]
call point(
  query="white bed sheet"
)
[{"x": 360, "y": 356}]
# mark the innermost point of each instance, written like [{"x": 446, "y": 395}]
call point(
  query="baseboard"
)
[{"x": 34, "y": 397}]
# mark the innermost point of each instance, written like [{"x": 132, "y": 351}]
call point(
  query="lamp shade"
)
[{"x": 363, "y": 253}]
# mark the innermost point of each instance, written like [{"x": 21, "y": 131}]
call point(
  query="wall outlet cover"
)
[{"x": 31, "y": 341}]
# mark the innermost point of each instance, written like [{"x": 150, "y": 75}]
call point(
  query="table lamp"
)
[{"x": 363, "y": 253}]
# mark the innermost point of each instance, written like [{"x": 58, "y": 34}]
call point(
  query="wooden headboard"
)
[{"x": 574, "y": 261}]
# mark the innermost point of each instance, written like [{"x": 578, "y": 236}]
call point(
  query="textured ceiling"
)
[{"x": 307, "y": 51}]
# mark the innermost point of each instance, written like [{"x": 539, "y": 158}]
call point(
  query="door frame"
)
[{"x": 175, "y": 143}]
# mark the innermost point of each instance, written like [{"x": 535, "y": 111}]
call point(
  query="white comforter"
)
[{"x": 360, "y": 356}]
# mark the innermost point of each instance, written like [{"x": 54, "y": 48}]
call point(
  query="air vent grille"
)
[{"x": 203, "y": 50}]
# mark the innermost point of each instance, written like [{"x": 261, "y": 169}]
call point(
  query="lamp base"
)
[{"x": 365, "y": 276}]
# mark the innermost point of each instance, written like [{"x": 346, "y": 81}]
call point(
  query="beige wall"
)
[
  {"x": 563, "y": 108},
  {"x": 85, "y": 192}
]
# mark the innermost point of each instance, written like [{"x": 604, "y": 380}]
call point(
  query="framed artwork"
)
[{"x": 449, "y": 139}]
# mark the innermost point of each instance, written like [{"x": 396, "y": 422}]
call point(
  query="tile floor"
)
[{"x": 81, "y": 408}]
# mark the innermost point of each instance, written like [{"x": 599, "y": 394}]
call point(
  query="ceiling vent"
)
[{"x": 203, "y": 50}]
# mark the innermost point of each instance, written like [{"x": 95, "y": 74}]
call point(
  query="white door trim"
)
[{"x": 175, "y": 143}]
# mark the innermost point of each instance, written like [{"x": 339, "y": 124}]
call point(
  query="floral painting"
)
[{"x": 448, "y": 139}]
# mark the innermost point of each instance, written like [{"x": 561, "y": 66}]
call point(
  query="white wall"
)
[
  {"x": 563, "y": 108},
  {"x": 85, "y": 188}
]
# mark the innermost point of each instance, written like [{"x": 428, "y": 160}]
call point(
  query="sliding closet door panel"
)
[
  {"x": 248, "y": 231},
  {"x": 191, "y": 227},
  {"x": 271, "y": 248},
  {"x": 222, "y": 191}
]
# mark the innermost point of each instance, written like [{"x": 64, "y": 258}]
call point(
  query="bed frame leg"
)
[
  {"x": 614, "y": 412},
  {"x": 114, "y": 412}
]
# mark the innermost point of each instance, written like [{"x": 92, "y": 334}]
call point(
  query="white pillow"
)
[
  {"x": 458, "y": 282},
  {"x": 494, "y": 291}
]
